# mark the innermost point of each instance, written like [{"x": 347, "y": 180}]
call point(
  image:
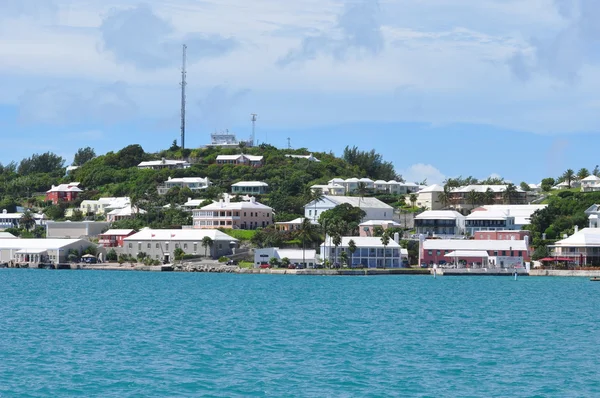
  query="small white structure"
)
[
  {"x": 373, "y": 207},
  {"x": 293, "y": 225},
  {"x": 330, "y": 189},
  {"x": 310, "y": 157},
  {"x": 590, "y": 184},
  {"x": 440, "y": 223},
  {"x": 370, "y": 252},
  {"x": 249, "y": 187},
  {"x": 307, "y": 257},
  {"x": 164, "y": 164},
  {"x": 243, "y": 160},
  {"x": 124, "y": 213},
  {"x": 195, "y": 184}
]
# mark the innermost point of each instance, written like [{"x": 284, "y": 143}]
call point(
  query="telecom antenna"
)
[
  {"x": 254, "y": 115},
  {"x": 183, "y": 84},
  {"x": 289, "y": 143}
]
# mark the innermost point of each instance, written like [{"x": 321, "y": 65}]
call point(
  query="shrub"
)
[
  {"x": 112, "y": 255},
  {"x": 223, "y": 259}
]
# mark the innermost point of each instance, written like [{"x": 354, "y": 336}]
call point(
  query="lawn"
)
[{"x": 240, "y": 234}]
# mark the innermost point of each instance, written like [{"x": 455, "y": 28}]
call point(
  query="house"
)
[
  {"x": 13, "y": 220},
  {"x": 114, "y": 237},
  {"x": 330, "y": 189},
  {"x": 460, "y": 198},
  {"x": 489, "y": 220},
  {"x": 236, "y": 215},
  {"x": 295, "y": 256},
  {"x": 40, "y": 251},
  {"x": 440, "y": 223},
  {"x": 502, "y": 235},
  {"x": 373, "y": 207},
  {"x": 63, "y": 192},
  {"x": 367, "y": 228},
  {"x": 240, "y": 160},
  {"x": 293, "y": 225},
  {"x": 125, "y": 213},
  {"x": 75, "y": 229},
  {"x": 310, "y": 157},
  {"x": 159, "y": 244},
  {"x": 370, "y": 252},
  {"x": 475, "y": 253},
  {"x": 195, "y": 184},
  {"x": 590, "y": 184},
  {"x": 228, "y": 140},
  {"x": 164, "y": 164},
  {"x": 249, "y": 187},
  {"x": 521, "y": 213},
  {"x": 429, "y": 198},
  {"x": 103, "y": 205},
  {"x": 582, "y": 248}
]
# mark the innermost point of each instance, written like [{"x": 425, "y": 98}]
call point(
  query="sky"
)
[{"x": 441, "y": 88}]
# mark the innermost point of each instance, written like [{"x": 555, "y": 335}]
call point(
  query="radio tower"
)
[
  {"x": 289, "y": 143},
  {"x": 254, "y": 115},
  {"x": 183, "y": 84}
]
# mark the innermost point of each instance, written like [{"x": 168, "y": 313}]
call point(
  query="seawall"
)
[{"x": 565, "y": 272}]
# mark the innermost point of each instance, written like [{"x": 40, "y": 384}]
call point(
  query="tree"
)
[
  {"x": 306, "y": 233},
  {"x": 285, "y": 262},
  {"x": 385, "y": 241},
  {"x": 141, "y": 256},
  {"x": 596, "y": 171},
  {"x": 371, "y": 162},
  {"x": 583, "y": 173},
  {"x": 344, "y": 259},
  {"x": 274, "y": 262},
  {"x": 112, "y": 255},
  {"x": 510, "y": 193},
  {"x": 413, "y": 200},
  {"x": 473, "y": 198},
  {"x": 489, "y": 197},
  {"x": 336, "y": 239},
  {"x": 207, "y": 242},
  {"x": 444, "y": 196},
  {"x": 345, "y": 217},
  {"x": 525, "y": 187},
  {"x": 361, "y": 190},
  {"x": 174, "y": 147},
  {"x": 547, "y": 184},
  {"x": 45, "y": 163},
  {"x": 77, "y": 215},
  {"x": 568, "y": 176},
  {"x": 351, "y": 249},
  {"x": 54, "y": 212},
  {"x": 178, "y": 253},
  {"x": 83, "y": 156},
  {"x": 27, "y": 220}
]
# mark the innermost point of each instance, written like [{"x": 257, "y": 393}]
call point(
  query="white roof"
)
[
  {"x": 188, "y": 180},
  {"x": 38, "y": 244},
  {"x": 380, "y": 223},
  {"x": 368, "y": 180},
  {"x": 484, "y": 188},
  {"x": 162, "y": 162},
  {"x": 459, "y": 244},
  {"x": 71, "y": 187},
  {"x": 467, "y": 253},
  {"x": 193, "y": 202},
  {"x": 371, "y": 203},
  {"x": 409, "y": 184},
  {"x": 118, "y": 232},
  {"x": 521, "y": 213},
  {"x": 585, "y": 237},
  {"x": 439, "y": 215},
  {"x": 195, "y": 235},
  {"x": 250, "y": 184},
  {"x": 432, "y": 188},
  {"x": 309, "y": 157},
  {"x": 223, "y": 205},
  {"x": 127, "y": 211},
  {"x": 236, "y": 157},
  {"x": 336, "y": 180},
  {"x": 296, "y": 255},
  {"x": 591, "y": 178},
  {"x": 7, "y": 235},
  {"x": 488, "y": 215},
  {"x": 380, "y": 182},
  {"x": 362, "y": 241},
  {"x": 296, "y": 221}
]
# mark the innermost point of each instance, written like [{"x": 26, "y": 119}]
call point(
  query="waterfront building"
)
[
  {"x": 373, "y": 207},
  {"x": 164, "y": 164},
  {"x": 114, "y": 237},
  {"x": 160, "y": 244},
  {"x": 295, "y": 256},
  {"x": 63, "y": 192},
  {"x": 236, "y": 215},
  {"x": 250, "y": 188},
  {"x": 240, "y": 160},
  {"x": 370, "y": 252},
  {"x": 502, "y": 235},
  {"x": 367, "y": 228},
  {"x": 40, "y": 251},
  {"x": 581, "y": 248},
  {"x": 195, "y": 184},
  {"x": 13, "y": 220},
  {"x": 474, "y": 252},
  {"x": 440, "y": 223}
]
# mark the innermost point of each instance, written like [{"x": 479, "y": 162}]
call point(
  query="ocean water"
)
[{"x": 134, "y": 334}]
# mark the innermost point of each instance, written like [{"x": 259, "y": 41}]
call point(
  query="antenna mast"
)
[
  {"x": 254, "y": 115},
  {"x": 289, "y": 143},
  {"x": 183, "y": 84}
]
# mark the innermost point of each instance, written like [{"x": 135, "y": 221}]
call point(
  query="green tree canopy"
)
[
  {"x": 45, "y": 163},
  {"x": 83, "y": 156}
]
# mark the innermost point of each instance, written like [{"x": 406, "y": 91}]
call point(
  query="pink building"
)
[
  {"x": 501, "y": 235},
  {"x": 114, "y": 237},
  {"x": 236, "y": 215}
]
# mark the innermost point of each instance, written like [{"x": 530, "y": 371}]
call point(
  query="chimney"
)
[
  {"x": 168, "y": 179},
  {"x": 576, "y": 228},
  {"x": 397, "y": 237},
  {"x": 163, "y": 160}
]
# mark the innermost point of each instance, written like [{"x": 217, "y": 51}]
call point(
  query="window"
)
[
  {"x": 166, "y": 246},
  {"x": 504, "y": 252},
  {"x": 185, "y": 245},
  {"x": 139, "y": 246},
  {"x": 158, "y": 245},
  {"x": 149, "y": 245},
  {"x": 131, "y": 245},
  {"x": 430, "y": 252},
  {"x": 438, "y": 253},
  {"x": 520, "y": 254}
]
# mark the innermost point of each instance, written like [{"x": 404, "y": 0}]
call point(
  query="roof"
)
[
  {"x": 179, "y": 235},
  {"x": 162, "y": 162},
  {"x": 250, "y": 184},
  {"x": 297, "y": 254},
  {"x": 118, "y": 232},
  {"x": 193, "y": 202},
  {"x": 127, "y": 211},
  {"x": 362, "y": 241},
  {"x": 467, "y": 253},
  {"x": 7, "y": 235},
  {"x": 439, "y": 215},
  {"x": 484, "y": 188},
  {"x": 585, "y": 237},
  {"x": 71, "y": 187},
  {"x": 432, "y": 188},
  {"x": 522, "y": 213},
  {"x": 38, "y": 244},
  {"x": 356, "y": 201},
  {"x": 251, "y": 158},
  {"x": 189, "y": 180},
  {"x": 296, "y": 221},
  {"x": 459, "y": 244},
  {"x": 379, "y": 223},
  {"x": 488, "y": 215},
  {"x": 308, "y": 157},
  {"x": 591, "y": 178},
  {"x": 223, "y": 205}
]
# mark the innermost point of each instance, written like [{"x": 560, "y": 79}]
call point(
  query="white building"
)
[
  {"x": 39, "y": 251},
  {"x": 521, "y": 213},
  {"x": 489, "y": 220},
  {"x": 330, "y": 189},
  {"x": 103, "y": 205},
  {"x": 429, "y": 197},
  {"x": 164, "y": 164},
  {"x": 13, "y": 220},
  {"x": 250, "y": 188},
  {"x": 440, "y": 223},
  {"x": 7, "y": 235},
  {"x": 367, "y": 228},
  {"x": 370, "y": 252},
  {"x": 75, "y": 229},
  {"x": 374, "y": 208},
  {"x": 228, "y": 140},
  {"x": 590, "y": 184},
  {"x": 160, "y": 244},
  {"x": 242, "y": 159},
  {"x": 310, "y": 157},
  {"x": 295, "y": 256},
  {"x": 124, "y": 213},
  {"x": 195, "y": 184},
  {"x": 392, "y": 187}
]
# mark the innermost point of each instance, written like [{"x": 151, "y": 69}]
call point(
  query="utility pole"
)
[
  {"x": 183, "y": 84},
  {"x": 253, "y": 119}
]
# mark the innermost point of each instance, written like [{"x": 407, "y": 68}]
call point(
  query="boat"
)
[{"x": 595, "y": 279}]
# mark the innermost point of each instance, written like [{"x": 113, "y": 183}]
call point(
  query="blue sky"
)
[{"x": 439, "y": 87}]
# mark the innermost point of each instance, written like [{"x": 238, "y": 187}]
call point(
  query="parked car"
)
[
  {"x": 265, "y": 266},
  {"x": 291, "y": 266}
]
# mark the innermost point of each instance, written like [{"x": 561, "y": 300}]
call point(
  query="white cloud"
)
[{"x": 421, "y": 171}]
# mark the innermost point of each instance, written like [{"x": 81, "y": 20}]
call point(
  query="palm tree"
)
[
  {"x": 596, "y": 171},
  {"x": 344, "y": 259},
  {"x": 583, "y": 173},
  {"x": 473, "y": 198},
  {"x": 206, "y": 243},
  {"x": 489, "y": 197},
  {"x": 444, "y": 197},
  {"x": 510, "y": 193},
  {"x": 336, "y": 239},
  {"x": 306, "y": 233},
  {"x": 361, "y": 190},
  {"x": 568, "y": 176},
  {"x": 385, "y": 241},
  {"x": 351, "y": 249},
  {"x": 316, "y": 196},
  {"x": 27, "y": 220},
  {"x": 413, "y": 200}
]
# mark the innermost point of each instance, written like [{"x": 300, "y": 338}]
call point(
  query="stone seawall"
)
[
  {"x": 563, "y": 272},
  {"x": 335, "y": 272}
]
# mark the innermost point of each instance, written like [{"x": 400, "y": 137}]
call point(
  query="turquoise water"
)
[{"x": 133, "y": 334}]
